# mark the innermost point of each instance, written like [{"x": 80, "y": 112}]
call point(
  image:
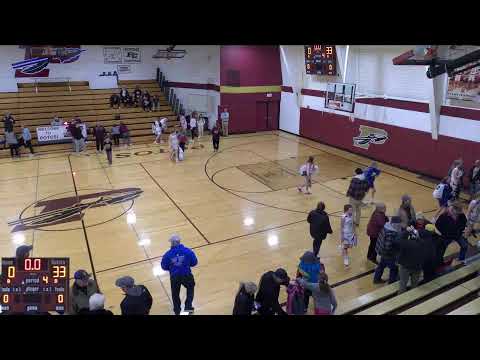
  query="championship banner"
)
[
  {"x": 54, "y": 134},
  {"x": 465, "y": 86}
]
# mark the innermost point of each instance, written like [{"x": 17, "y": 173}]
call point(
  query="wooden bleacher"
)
[
  {"x": 35, "y": 109},
  {"x": 441, "y": 295}
]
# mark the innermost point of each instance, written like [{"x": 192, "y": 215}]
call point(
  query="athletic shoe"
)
[
  {"x": 299, "y": 189},
  {"x": 381, "y": 281},
  {"x": 346, "y": 261}
]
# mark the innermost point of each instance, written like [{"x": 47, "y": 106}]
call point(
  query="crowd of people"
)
[
  {"x": 13, "y": 141},
  {"x": 138, "y": 98}
]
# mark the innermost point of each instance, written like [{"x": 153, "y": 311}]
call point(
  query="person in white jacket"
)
[
  {"x": 201, "y": 126},
  {"x": 307, "y": 171},
  {"x": 173, "y": 141}
]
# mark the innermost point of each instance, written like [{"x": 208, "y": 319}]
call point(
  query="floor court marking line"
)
[
  {"x": 134, "y": 228},
  {"x": 84, "y": 228},
  {"x": 174, "y": 203}
]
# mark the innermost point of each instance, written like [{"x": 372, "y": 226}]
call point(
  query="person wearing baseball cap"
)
[
  {"x": 137, "y": 301},
  {"x": 82, "y": 288},
  {"x": 269, "y": 290},
  {"x": 178, "y": 261}
]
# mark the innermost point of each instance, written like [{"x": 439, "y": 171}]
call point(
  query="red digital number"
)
[{"x": 37, "y": 264}]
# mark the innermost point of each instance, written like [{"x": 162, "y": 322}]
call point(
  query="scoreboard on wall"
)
[
  {"x": 321, "y": 60},
  {"x": 35, "y": 285}
]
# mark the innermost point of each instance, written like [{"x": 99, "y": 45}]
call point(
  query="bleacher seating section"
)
[{"x": 35, "y": 109}]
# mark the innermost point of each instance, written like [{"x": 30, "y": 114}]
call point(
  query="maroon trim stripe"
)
[
  {"x": 472, "y": 114},
  {"x": 185, "y": 85},
  {"x": 287, "y": 89},
  {"x": 396, "y": 104},
  {"x": 310, "y": 92}
]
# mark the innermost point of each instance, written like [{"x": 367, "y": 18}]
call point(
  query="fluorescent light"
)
[
  {"x": 18, "y": 238},
  {"x": 144, "y": 242},
  {"x": 158, "y": 271},
  {"x": 248, "y": 221},
  {"x": 272, "y": 240}
]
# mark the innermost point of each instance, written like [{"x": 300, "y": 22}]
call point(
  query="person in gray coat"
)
[
  {"x": 12, "y": 142},
  {"x": 323, "y": 296}
]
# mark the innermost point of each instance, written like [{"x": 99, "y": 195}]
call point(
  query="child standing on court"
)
[
  {"x": 107, "y": 145},
  {"x": 215, "y": 138},
  {"x": 348, "y": 237},
  {"x": 307, "y": 170},
  {"x": 370, "y": 175}
]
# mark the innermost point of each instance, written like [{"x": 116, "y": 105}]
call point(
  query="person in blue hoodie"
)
[
  {"x": 371, "y": 174},
  {"x": 178, "y": 261},
  {"x": 309, "y": 269},
  {"x": 27, "y": 138}
]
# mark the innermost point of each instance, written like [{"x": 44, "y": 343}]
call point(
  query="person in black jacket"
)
[
  {"x": 115, "y": 101},
  {"x": 433, "y": 255},
  {"x": 269, "y": 290},
  {"x": 99, "y": 133},
  {"x": 411, "y": 257},
  {"x": 137, "y": 301},
  {"x": 245, "y": 299},
  {"x": 8, "y": 122},
  {"x": 474, "y": 179},
  {"x": 451, "y": 225},
  {"x": 319, "y": 226},
  {"x": 124, "y": 95}
]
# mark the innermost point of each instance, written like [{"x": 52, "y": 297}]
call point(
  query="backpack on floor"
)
[
  {"x": 295, "y": 302},
  {"x": 438, "y": 192}
]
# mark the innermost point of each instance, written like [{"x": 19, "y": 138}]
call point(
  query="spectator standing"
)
[
  {"x": 386, "y": 247},
  {"x": 375, "y": 225},
  {"x": 432, "y": 244},
  {"x": 406, "y": 212},
  {"x": 225, "y": 116},
  {"x": 125, "y": 134},
  {"x": 99, "y": 133},
  {"x": 27, "y": 139},
  {"x": 215, "y": 138},
  {"x": 8, "y": 122},
  {"x": 323, "y": 295},
  {"x": 474, "y": 179},
  {"x": 307, "y": 171},
  {"x": 116, "y": 134},
  {"x": 12, "y": 142},
  {"x": 319, "y": 226},
  {"x": 356, "y": 193},
  {"x": 309, "y": 270},
  {"x": 371, "y": 173},
  {"x": 79, "y": 142},
  {"x": 137, "y": 301},
  {"x": 473, "y": 215},
  {"x": 178, "y": 261},
  {"x": 410, "y": 259},
  {"x": 201, "y": 126},
  {"x": 82, "y": 288},
  {"x": 245, "y": 299},
  {"x": 348, "y": 236},
  {"x": 107, "y": 144},
  {"x": 269, "y": 290},
  {"x": 451, "y": 224}
]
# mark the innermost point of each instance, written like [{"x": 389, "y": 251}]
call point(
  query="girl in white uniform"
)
[
  {"x": 201, "y": 125},
  {"x": 194, "y": 127},
  {"x": 157, "y": 130},
  {"x": 173, "y": 140},
  {"x": 307, "y": 170},
  {"x": 348, "y": 238}
]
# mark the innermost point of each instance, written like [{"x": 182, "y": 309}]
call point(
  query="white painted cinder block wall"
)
[{"x": 371, "y": 68}]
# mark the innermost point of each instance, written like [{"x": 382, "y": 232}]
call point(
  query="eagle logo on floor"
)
[
  {"x": 369, "y": 135},
  {"x": 72, "y": 208}
]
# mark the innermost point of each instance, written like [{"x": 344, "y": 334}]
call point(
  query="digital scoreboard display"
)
[
  {"x": 321, "y": 60},
  {"x": 34, "y": 285}
]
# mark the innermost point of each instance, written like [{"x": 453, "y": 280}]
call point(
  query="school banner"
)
[{"x": 54, "y": 134}]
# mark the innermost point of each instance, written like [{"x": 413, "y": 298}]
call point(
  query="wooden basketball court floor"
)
[{"x": 239, "y": 210}]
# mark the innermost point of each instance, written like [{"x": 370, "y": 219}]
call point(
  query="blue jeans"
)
[
  {"x": 463, "y": 243},
  {"x": 390, "y": 263}
]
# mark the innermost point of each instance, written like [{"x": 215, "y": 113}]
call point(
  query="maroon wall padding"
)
[
  {"x": 242, "y": 109},
  {"x": 472, "y": 114},
  {"x": 310, "y": 92},
  {"x": 396, "y": 104},
  {"x": 287, "y": 89},
  {"x": 406, "y": 148},
  {"x": 184, "y": 85},
  {"x": 257, "y": 66}
]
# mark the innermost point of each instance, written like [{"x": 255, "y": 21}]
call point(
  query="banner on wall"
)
[
  {"x": 465, "y": 86},
  {"x": 38, "y": 57},
  {"x": 369, "y": 135},
  {"x": 124, "y": 69},
  {"x": 132, "y": 55},
  {"x": 112, "y": 55}
]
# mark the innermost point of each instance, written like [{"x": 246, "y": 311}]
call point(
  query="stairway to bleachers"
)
[
  {"x": 35, "y": 109},
  {"x": 454, "y": 293}
]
